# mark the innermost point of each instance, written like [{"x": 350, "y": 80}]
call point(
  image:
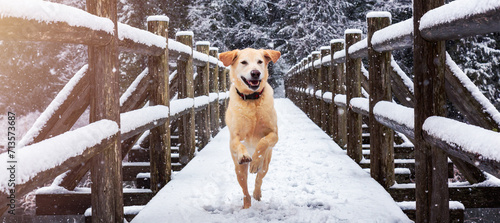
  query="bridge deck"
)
[{"x": 311, "y": 179}]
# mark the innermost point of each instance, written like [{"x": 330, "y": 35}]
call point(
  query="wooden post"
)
[
  {"x": 381, "y": 137},
  {"x": 159, "y": 138},
  {"x": 338, "y": 127},
  {"x": 309, "y": 105},
  {"x": 223, "y": 88},
  {"x": 430, "y": 162},
  {"x": 186, "y": 90},
  {"x": 353, "y": 85},
  {"x": 106, "y": 168},
  {"x": 214, "y": 88},
  {"x": 325, "y": 86},
  {"x": 316, "y": 84},
  {"x": 203, "y": 47},
  {"x": 304, "y": 85}
]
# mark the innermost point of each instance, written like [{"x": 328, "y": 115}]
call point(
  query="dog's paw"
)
[
  {"x": 245, "y": 158},
  {"x": 256, "y": 165},
  {"x": 257, "y": 194}
]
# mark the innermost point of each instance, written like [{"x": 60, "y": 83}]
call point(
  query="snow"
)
[
  {"x": 338, "y": 55},
  {"x": 133, "y": 86},
  {"x": 336, "y": 41},
  {"x": 184, "y": 33},
  {"x": 172, "y": 76},
  {"x": 411, "y": 205},
  {"x": 180, "y": 105},
  {"x": 203, "y": 43},
  {"x": 379, "y": 14},
  {"x": 127, "y": 210},
  {"x": 140, "y": 36},
  {"x": 393, "y": 111},
  {"x": 406, "y": 80},
  {"x": 327, "y": 96},
  {"x": 213, "y": 97},
  {"x": 49, "y": 12},
  {"x": 353, "y": 31},
  {"x": 201, "y": 101},
  {"x": 360, "y": 103},
  {"x": 158, "y": 18},
  {"x": 179, "y": 47},
  {"x": 362, "y": 44},
  {"x": 456, "y": 10},
  {"x": 52, "y": 152},
  {"x": 393, "y": 31},
  {"x": 305, "y": 183},
  {"x": 469, "y": 138},
  {"x": 474, "y": 90},
  {"x": 200, "y": 56},
  {"x": 41, "y": 121},
  {"x": 340, "y": 99},
  {"x": 133, "y": 119},
  {"x": 318, "y": 94}
]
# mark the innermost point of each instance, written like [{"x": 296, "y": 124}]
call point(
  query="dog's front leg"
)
[
  {"x": 239, "y": 151},
  {"x": 258, "y": 157}
]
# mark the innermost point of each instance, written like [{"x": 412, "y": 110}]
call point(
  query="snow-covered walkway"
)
[{"x": 311, "y": 179}]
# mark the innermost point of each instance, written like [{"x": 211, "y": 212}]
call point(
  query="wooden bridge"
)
[{"x": 135, "y": 141}]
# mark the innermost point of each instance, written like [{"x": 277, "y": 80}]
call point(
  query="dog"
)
[{"x": 250, "y": 116}]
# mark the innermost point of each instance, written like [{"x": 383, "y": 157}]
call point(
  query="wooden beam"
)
[
  {"x": 430, "y": 162},
  {"x": 48, "y": 175},
  {"x": 339, "y": 113},
  {"x": 353, "y": 90},
  {"x": 462, "y": 26},
  {"x": 159, "y": 141},
  {"x": 214, "y": 88},
  {"x": 325, "y": 86},
  {"x": 186, "y": 90},
  {"x": 106, "y": 167},
  {"x": 204, "y": 77},
  {"x": 18, "y": 29},
  {"x": 381, "y": 137}
]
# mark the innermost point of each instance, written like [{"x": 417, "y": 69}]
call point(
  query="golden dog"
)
[{"x": 250, "y": 116}]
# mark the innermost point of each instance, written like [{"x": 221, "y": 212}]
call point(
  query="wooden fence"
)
[
  {"x": 329, "y": 85},
  {"x": 117, "y": 122}
]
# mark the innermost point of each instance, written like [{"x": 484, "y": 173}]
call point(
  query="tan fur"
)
[{"x": 252, "y": 123}]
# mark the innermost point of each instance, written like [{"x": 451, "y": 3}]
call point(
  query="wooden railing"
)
[
  {"x": 49, "y": 149},
  {"x": 319, "y": 82}
]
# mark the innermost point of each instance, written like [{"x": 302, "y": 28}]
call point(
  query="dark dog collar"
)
[{"x": 253, "y": 96}]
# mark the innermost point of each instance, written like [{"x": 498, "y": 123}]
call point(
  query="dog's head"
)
[{"x": 249, "y": 67}]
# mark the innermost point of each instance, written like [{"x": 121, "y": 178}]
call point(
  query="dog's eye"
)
[
  {"x": 244, "y": 62},
  {"x": 260, "y": 62}
]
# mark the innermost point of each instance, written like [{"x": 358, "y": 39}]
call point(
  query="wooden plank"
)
[
  {"x": 107, "y": 196},
  {"x": 159, "y": 138},
  {"x": 316, "y": 84},
  {"x": 381, "y": 137},
  {"x": 131, "y": 46},
  {"x": 75, "y": 203},
  {"x": 353, "y": 89},
  {"x": 470, "y": 197},
  {"x": 186, "y": 90},
  {"x": 17, "y": 29},
  {"x": 47, "y": 176},
  {"x": 398, "y": 87},
  {"x": 430, "y": 166}
]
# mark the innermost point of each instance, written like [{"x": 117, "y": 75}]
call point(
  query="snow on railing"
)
[
  {"x": 132, "y": 120},
  {"x": 50, "y": 153},
  {"x": 474, "y": 90},
  {"x": 397, "y": 117},
  {"x": 472, "y": 139},
  {"x": 140, "y": 36},
  {"x": 133, "y": 86},
  {"x": 48, "y": 12},
  {"x": 360, "y": 105},
  {"x": 60, "y": 98}
]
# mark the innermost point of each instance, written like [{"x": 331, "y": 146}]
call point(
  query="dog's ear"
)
[
  {"x": 272, "y": 55},
  {"x": 229, "y": 57}
]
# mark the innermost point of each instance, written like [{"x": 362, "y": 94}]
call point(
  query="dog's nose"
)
[{"x": 255, "y": 73}]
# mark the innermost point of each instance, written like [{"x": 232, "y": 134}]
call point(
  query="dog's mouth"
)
[{"x": 252, "y": 84}]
